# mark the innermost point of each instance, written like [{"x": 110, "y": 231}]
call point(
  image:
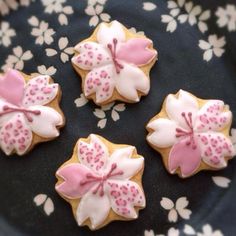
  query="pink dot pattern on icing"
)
[
  {"x": 92, "y": 155},
  {"x": 211, "y": 116},
  {"x": 215, "y": 147},
  {"x": 99, "y": 81},
  {"x": 119, "y": 54},
  {"x": 39, "y": 92},
  {"x": 91, "y": 55},
  {"x": 15, "y": 134},
  {"x": 124, "y": 196},
  {"x": 99, "y": 176}
]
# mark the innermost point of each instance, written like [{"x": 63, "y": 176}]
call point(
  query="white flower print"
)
[
  {"x": 6, "y": 33},
  {"x": 7, "y": 5},
  {"x": 171, "y": 232},
  {"x": 214, "y": 46},
  {"x": 95, "y": 10},
  {"x": 63, "y": 50},
  {"x": 233, "y": 138},
  {"x": 149, "y": 6},
  {"x": 185, "y": 12},
  {"x": 46, "y": 71},
  {"x": 221, "y": 181},
  {"x": 189, "y": 230},
  {"x": 16, "y": 60},
  {"x": 227, "y": 17},
  {"x": 149, "y": 233},
  {"x": 43, "y": 199},
  {"x": 208, "y": 231},
  {"x": 56, "y": 6},
  {"x": 41, "y": 31},
  {"x": 101, "y": 113},
  {"x": 134, "y": 31},
  {"x": 25, "y": 2},
  {"x": 81, "y": 101},
  {"x": 178, "y": 208}
]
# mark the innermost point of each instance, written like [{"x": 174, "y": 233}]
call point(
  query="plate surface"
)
[{"x": 181, "y": 64}]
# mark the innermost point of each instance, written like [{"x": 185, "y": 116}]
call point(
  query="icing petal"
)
[
  {"x": 176, "y": 106},
  {"x": 129, "y": 166},
  {"x": 94, "y": 207},
  {"x": 129, "y": 80},
  {"x": 94, "y": 155},
  {"x": 124, "y": 196},
  {"x": 46, "y": 123},
  {"x": 100, "y": 81},
  {"x": 106, "y": 33},
  {"x": 184, "y": 156},
  {"x": 38, "y": 91},
  {"x": 15, "y": 135},
  {"x": 91, "y": 55},
  {"x": 164, "y": 134},
  {"x": 212, "y": 117},
  {"x": 12, "y": 87},
  {"x": 74, "y": 175},
  {"x": 136, "y": 51},
  {"x": 214, "y": 148}
]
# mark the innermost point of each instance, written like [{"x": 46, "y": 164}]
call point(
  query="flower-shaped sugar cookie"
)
[
  {"x": 29, "y": 111},
  {"x": 191, "y": 134},
  {"x": 114, "y": 64},
  {"x": 102, "y": 182}
]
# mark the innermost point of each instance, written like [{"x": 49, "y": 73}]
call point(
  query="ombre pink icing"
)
[
  {"x": 136, "y": 51},
  {"x": 103, "y": 177},
  {"x": 194, "y": 133},
  {"x": 22, "y": 111}
]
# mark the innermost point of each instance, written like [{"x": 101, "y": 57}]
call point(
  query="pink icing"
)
[
  {"x": 186, "y": 157},
  {"x": 123, "y": 196},
  {"x": 136, "y": 51},
  {"x": 100, "y": 176},
  {"x": 193, "y": 146},
  {"x": 7, "y": 109},
  {"x": 74, "y": 175},
  {"x": 12, "y": 87},
  {"x": 15, "y": 134},
  {"x": 16, "y": 99},
  {"x": 119, "y": 60}
]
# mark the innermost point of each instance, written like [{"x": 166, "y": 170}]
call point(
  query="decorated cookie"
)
[
  {"x": 29, "y": 111},
  {"x": 114, "y": 64},
  {"x": 191, "y": 134},
  {"x": 102, "y": 182}
]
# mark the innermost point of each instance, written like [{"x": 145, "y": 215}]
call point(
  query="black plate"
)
[{"x": 180, "y": 65}]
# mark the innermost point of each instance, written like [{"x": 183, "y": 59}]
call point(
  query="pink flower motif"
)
[
  {"x": 114, "y": 63},
  {"x": 193, "y": 132},
  {"x": 102, "y": 181},
  {"x": 23, "y": 111}
]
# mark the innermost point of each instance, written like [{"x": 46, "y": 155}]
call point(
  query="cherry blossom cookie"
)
[
  {"x": 102, "y": 182},
  {"x": 191, "y": 134},
  {"x": 114, "y": 64},
  {"x": 29, "y": 111}
]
